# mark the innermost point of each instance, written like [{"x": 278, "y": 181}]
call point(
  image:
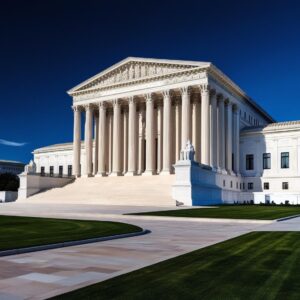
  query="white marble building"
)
[{"x": 139, "y": 114}]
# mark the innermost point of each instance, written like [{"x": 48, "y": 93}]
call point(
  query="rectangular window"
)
[
  {"x": 51, "y": 170},
  {"x": 224, "y": 183},
  {"x": 249, "y": 162},
  {"x": 243, "y": 185},
  {"x": 42, "y": 171},
  {"x": 285, "y": 160},
  {"x": 231, "y": 184},
  {"x": 60, "y": 171},
  {"x": 266, "y": 185},
  {"x": 285, "y": 185},
  {"x": 250, "y": 185},
  {"x": 266, "y": 161},
  {"x": 69, "y": 170}
]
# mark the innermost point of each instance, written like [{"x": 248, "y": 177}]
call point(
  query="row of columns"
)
[{"x": 212, "y": 123}]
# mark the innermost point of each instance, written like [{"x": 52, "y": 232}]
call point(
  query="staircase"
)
[{"x": 119, "y": 190}]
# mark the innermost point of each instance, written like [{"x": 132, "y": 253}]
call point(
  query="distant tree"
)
[{"x": 9, "y": 182}]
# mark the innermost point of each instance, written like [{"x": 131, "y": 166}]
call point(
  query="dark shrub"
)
[{"x": 9, "y": 182}]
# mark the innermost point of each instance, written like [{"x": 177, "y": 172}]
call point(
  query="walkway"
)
[{"x": 44, "y": 274}]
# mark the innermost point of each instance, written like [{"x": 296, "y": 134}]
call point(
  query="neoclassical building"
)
[
  {"x": 136, "y": 117},
  {"x": 141, "y": 113}
]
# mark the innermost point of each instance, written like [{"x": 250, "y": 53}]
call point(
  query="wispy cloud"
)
[{"x": 10, "y": 143}]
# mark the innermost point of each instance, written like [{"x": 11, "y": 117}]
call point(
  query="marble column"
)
[
  {"x": 141, "y": 137},
  {"x": 109, "y": 140},
  {"x": 77, "y": 141},
  {"x": 177, "y": 129},
  {"x": 96, "y": 139},
  {"x": 132, "y": 137},
  {"x": 213, "y": 131},
  {"x": 196, "y": 127},
  {"x": 185, "y": 117},
  {"x": 102, "y": 139},
  {"x": 228, "y": 161},
  {"x": 159, "y": 137},
  {"x": 125, "y": 140},
  {"x": 205, "y": 124},
  {"x": 149, "y": 136},
  {"x": 167, "y": 133},
  {"x": 221, "y": 133},
  {"x": 116, "y": 165},
  {"x": 236, "y": 139},
  {"x": 88, "y": 139}
]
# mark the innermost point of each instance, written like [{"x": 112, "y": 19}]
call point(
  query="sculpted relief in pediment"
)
[{"x": 134, "y": 71}]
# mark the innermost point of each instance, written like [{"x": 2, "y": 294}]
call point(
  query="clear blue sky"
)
[{"x": 49, "y": 46}]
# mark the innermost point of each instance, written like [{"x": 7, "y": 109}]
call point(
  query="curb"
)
[
  {"x": 196, "y": 219},
  {"x": 72, "y": 243},
  {"x": 287, "y": 218}
]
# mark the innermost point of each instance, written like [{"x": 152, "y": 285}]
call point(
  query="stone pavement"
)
[{"x": 43, "y": 274}]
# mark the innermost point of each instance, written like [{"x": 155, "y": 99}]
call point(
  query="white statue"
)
[
  {"x": 188, "y": 153},
  {"x": 31, "y": 167}
]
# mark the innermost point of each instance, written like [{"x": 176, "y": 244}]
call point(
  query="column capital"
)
[
  {"x": 76, "y": 108},
  {"x": 148, "y": 97},
  {"x": 228, "y": 102},
  {"x": 102, "y": 105},
  {"x": 116, "y": 102},
  {"x": 235, "y": 108},
  {"x": 204, "y": 88},
  {"x": 88, "y": 107},
  {"x": 166, "y": 93},
  {"x": 131, "y": 100},
  {"x": 220, "y": 97},
  {"x": 212, "y": 92},
  {"x": 185, "y": 90}
]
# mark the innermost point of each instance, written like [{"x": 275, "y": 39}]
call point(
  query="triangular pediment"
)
[{"x": 134, "y": 69}]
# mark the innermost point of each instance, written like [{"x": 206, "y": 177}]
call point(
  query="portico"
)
[{"x": 137, "y": 134}]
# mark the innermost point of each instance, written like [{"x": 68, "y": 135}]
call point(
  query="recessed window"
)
[
  {"x": 60, "y": 171},
  {"x": 237, "y": 185},
  {"x": 69, "y": 170},
  {"x": 285, "y": 160},
  {"x": 243, "y": 185},
  {"x": 231, "y": 184},
  {"x": 249, "y": 162},
  {"x": 51, "y": 170},
  {"x": 266, "y": 161},
  {"x": 285, "y": 185},
  {"x": 250, "y": 185},
  {"x": 266, "y": 186},
  {"x": 224, "y": 183},
  {"x": 42, "y": 171}
]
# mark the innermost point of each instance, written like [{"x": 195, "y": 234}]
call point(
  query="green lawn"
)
[
  {"x": 258, "y": 265},
  {"x": 259, "y": 212},
  {"x": 18, "y": 232}
]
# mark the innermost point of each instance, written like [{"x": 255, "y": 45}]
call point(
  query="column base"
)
[
  {"x": 148, "y": 173},
  {"x": 130, "y": 173},
  {"x": 165, "y": 172},
  {"x": 101, "y": 174},
  {"x": 114, "y": 174},
  {"x": 86, "y": 175}
]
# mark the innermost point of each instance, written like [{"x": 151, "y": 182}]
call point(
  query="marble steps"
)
[{"x": 119, "y": 190}]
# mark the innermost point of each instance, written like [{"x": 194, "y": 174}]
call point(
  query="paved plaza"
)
[{"x": 43, "y": 274}]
